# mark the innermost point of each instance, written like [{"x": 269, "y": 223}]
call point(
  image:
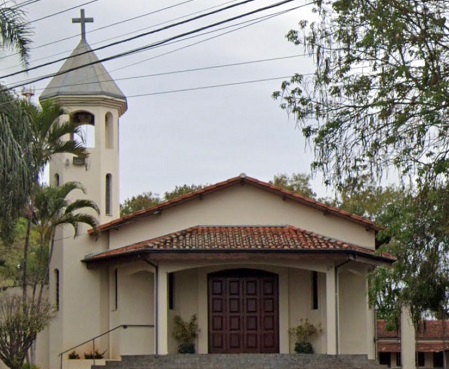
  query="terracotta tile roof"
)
[
  {"x": 242, "y": 179},
  {"x": 236, "y": 238},
  {"x": 428, "y": 329},
  {"x": 429, "y": 337},
  {"x": 383, "y": 333}
]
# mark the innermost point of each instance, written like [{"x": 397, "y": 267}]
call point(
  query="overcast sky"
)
[{"x": 197, "y": 136}]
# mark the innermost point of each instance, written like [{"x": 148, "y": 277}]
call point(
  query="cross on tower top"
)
[{"x": 83, "y": 20}]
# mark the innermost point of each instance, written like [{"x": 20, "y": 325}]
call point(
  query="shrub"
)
[
  {"x": 185, "y": 332},
  {"x": 74, "y": 355},
  {"x": 303, "y": 333},
  {"x": 94, "y": 354}
]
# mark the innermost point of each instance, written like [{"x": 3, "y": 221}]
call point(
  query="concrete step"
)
[{"x": 243, "y": 361}]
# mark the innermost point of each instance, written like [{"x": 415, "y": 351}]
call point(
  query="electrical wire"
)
[
  {"x": 62, "y": 11},
  {"x": 245, "y": 24},
  {"x": 190, "y": 70},
  {"x": 146, "y": 47},
  {"x": 134, "y": 37},
  {"x": 208, "y": 87},
  {"x": 98, "y": 29}
]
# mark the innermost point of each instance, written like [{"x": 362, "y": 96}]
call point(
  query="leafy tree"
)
[
  {"x": 148, "y": 199},
  {"x": 52, "y": 210},
  {"x": 20, "y": 322},
  {"x": 296, "y": 182},
  {"x": 140, "y": 202},
  {"x": 49, "y": 136},
  {"x": 180, "y": 191},
  {"x": 378, "y": 99},
  {"x": 16, "y": 176},
  {"x": 378, "y": 95}
]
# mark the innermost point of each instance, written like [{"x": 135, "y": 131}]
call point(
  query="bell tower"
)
[
  {"x": 89, "y": 96},
  {"x": 87, "y": 92}
]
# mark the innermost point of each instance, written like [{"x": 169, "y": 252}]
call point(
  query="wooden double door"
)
[{"x": 243, "y": 312}]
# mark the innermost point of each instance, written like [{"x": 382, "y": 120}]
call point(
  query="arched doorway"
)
[{"x": 243, "y": 311}]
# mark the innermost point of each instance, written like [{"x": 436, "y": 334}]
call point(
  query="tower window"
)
[
  {"x": 57, "y": 289},
  {"x": 57, "y": 183},
  {"x": 108, "y": 131},
  {"x": 86, "y": 121},
  {"x": 108, "y": 192}
]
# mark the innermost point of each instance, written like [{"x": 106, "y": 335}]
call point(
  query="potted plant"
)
[
  {"x": 303, "y": 334},
  {"x": 185, "y": 332}
]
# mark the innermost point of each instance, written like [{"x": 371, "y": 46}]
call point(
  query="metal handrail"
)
[{"x": 124, "y": 326}]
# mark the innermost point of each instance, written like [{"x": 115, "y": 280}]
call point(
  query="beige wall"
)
[
  {"x": 294, "y": 303},
  {"x": 300, "y": 305},
  {"x": 239, "y": 205},
  {"x": 352, "y": 310}
]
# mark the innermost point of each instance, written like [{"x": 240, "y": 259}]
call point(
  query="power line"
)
[
  {"x": 134, "y": 37},
  {"x": 62, "y": 11},
  {"x": 244, "y": 24},
  {"x": 180, "y": 71},
  {"x": 146, "y": 47},
  {"x": 210, "y": 86},
  {"x": 98, "y": 29},
  {"x": 25, "y": 3},
  {"x": 247, "y": 23}
]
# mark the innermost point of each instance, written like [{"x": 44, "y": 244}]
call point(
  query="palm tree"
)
[
  {"x": 49, "y": 136},
  {"x": 15, "y": 32},
  {"x": 52, "y": 210},
  {"x": 16, "y": 177}
]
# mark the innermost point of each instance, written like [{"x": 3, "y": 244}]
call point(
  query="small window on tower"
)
[
  {"x": 87, "y": 128},
  {"x": 108, "y": 192},
  {"x": 108, "y": 131},
  {"x": 57, "y": 183}
]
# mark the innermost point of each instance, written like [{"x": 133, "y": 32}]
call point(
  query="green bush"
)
[
  {"x": 74, "y": 355},
  {"x": 303, "y": 348},
  {"x": 186, "y": 348},
  {"x": 303, "y": 334},
  {"x": 185, "y": 332},
  {"x": 94, "y": 354}
]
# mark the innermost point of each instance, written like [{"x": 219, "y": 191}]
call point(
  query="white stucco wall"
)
[
  {"x": 240, "y": 205},
  {"x": 353, "y": 324}
]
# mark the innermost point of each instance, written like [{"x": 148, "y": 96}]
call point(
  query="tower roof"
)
[{"x": 92, "y": 80}]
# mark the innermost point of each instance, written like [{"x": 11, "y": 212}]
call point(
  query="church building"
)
[{"x": 248, "y": 259}]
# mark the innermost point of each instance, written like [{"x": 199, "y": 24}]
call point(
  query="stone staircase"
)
[{"x": 243, "y": 361}]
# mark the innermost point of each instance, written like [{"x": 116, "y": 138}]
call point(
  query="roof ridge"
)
[{"x": 229, "y": 182}]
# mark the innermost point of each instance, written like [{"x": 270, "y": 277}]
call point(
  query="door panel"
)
[{"x": 243, "y": 312}]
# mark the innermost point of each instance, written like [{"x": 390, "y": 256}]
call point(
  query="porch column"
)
[
  {"x": 407, "y": 340},
  {"x": 331, "y": 311},
  {"x": 162, "y": 311},
  {"x": 371, "y": 327}
]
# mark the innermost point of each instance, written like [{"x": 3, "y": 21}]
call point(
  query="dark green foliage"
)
[
  {"x": 378, "y": 96},
  {"x": 185, "y": 332},
  {"x": 296, "y": 182},
  {"x": 148, "y": 199},
  {"x": 140, "y": 202},
  {"x": 94, "y": 354},
  {"x": 180, "y": 191},
  {"x": 73, "y": 355},
  {"x": 186, "y": 348},
  {"x": 303, "y": 348},
  {"x": 16, "y": 174},
  {"x": 378, "y": 99}
]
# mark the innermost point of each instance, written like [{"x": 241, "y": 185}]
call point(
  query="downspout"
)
[
  {"x": 337, "y": 304},
  {"x": 156, "y": 305}
]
